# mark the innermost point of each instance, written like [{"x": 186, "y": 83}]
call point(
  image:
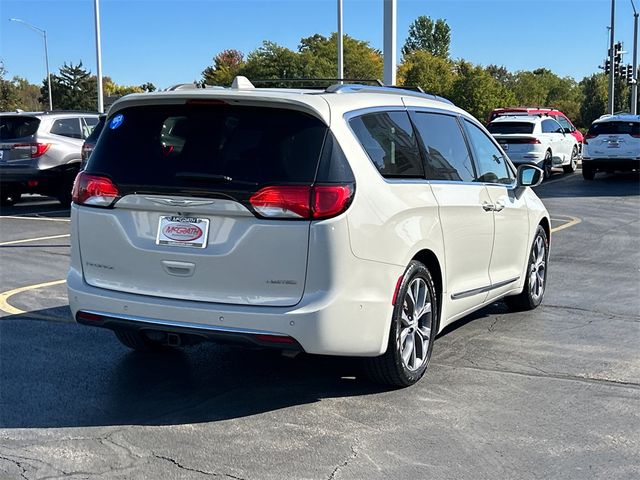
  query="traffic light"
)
[
  {"x": 630, "y": 75},
  {"x": 607, "y": 66},
  {"x": 622, "y": 72}
]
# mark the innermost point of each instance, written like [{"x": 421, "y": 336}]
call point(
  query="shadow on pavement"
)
[
  {"x": 36, "y": 205},
  {"x": 59, "y": 374},
  {"x": 605, "y": 185}
]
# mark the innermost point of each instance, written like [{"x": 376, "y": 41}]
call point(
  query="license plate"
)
[{"x": 183, "y": 231}]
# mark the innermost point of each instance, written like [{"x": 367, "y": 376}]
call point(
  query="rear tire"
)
[
  {"x": 64, "y": 193},
  {"x": 413, "y": 329},
  {"x": 536, "y": 282},
  {"x": 546, "y": 165},
  {"x": 588, "y": 173},
  {"x": 139, "y": 342},
  {"x": 573, "y": 162}
]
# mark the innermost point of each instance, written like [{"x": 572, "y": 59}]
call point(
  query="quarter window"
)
[
  {"x": 389, "y": 141},
  {"x": 67, "y": 127},
  {"x": 491, "y": 164},
  {"x": 446, "y": 153},
  {"x": 551, "y": 126}
]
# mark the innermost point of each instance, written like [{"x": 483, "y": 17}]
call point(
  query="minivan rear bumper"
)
[{"x": 348, "y": 320}]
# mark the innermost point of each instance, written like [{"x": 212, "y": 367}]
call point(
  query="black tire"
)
[
  {"x": 64, "y": 192},
  {"x": 530, "y": 297},
  {"x": 10, "y": 198},
  {"x": 588, "y": 173},
  {"x": 391, "y": 368},
  {"x": 573, "y": 162},
  {"x": 546, "y": 164},
  {"x": 139, "y": 342}
]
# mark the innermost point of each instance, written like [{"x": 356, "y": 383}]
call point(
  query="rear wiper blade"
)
[{"x": 211, "y": 178}]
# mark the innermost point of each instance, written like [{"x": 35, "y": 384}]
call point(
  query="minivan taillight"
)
[
  {"x": 302, "y": 202},
  {"x": 94, "y": 190}
]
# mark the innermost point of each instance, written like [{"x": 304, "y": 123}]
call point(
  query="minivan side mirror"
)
[{"x": 529, "y": 176}]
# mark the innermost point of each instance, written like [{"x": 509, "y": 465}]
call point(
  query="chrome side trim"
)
[
  {"x": 152, "y": 322},
  {"x": 476, "y": 291}
]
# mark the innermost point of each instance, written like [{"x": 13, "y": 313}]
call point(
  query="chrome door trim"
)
[{"x": 488, "y": 288}]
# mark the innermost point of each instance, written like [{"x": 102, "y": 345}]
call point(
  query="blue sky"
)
[{"x": 172, "y": 41}]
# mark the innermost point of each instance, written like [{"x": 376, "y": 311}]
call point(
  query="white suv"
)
[
  {"x": 354, "y": 221},
  {"x": 612, "y": 143},
  {"x": 537, "y": 140}
]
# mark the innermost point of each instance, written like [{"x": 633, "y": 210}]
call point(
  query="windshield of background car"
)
[
  {"x": 615, "y": 128},
  {"x": 18, "y": 126},
  {"x": 511, "y": 127},
  {"x": 208, "y": 146}
]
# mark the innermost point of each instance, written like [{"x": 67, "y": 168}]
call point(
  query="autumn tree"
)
[
  {"x": 226, "y": 66},
  {"x": 432, "y": 37}
]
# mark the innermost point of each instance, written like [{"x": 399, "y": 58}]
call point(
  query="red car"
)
[{"x": 560, "y": 117}]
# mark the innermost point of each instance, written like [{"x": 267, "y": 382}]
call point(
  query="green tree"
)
[
  {"x": 73, "y": 89},
  {"x": 424, "y": 34},
  {"x": 148, "y": 87},
  {"x": 595, "y": 93},
  {"x": 318, "y": 57},
  {"x": 433, "y": 74},
  {"x": 501, "y": 74},
  {"x": 272, "y": 61},
  {"x": 28, "y": 94},
  {"x": 226, "y": 66},
  {"x": 8, "y": 95},
  {"x": 478, "y": 92}
]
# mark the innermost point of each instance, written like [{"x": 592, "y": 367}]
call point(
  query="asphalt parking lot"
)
[{"x": 548, "y": 394}]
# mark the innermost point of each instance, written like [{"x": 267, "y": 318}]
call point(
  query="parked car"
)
[
  {"x": 40, "y": 153},
  {"x": 556, "y": 114},
  {"x": 612, "y": 143},
  {"x": 536, "y": 140},
  {"x": 90, "y": 143},
  {"x": 354, "y": 221}
]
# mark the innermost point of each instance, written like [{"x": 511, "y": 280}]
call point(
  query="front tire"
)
[
  {"x": 573, "y": 162},
  {"x": 413, "y": 329},
  {"x": 536, "y": 282},
  {"x": 546, "y": 164},
  {"x": 588, "y": 173}
]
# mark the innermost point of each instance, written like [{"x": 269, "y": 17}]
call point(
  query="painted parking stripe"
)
[
  {"x": 569, "y": 222},
  {"x": 5, "y": 296},
  {"x": 37, "y": 239}
]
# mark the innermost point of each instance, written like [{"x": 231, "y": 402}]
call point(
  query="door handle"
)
[
  {"x": 498, "y": 207},
  {"x": 488, "y": 207}
]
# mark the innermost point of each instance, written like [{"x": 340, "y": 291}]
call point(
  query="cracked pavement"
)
[{"x": 553, "y": 393}]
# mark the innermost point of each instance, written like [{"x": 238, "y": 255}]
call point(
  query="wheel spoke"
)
[
  {"x": 403, "y": 335},
  {"x": 404, "y": 319},
  {"x": 408, "y": 350}
]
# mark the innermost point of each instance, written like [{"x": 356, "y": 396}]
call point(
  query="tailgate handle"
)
[{"x": 179, "y": 269}]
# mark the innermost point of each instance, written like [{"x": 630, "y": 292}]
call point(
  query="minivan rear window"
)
[
  {"x": 207, "y": 147},
  {"x": 18, "y": 126},
  {"x": 511, "y": 127},
  {"x": 615, "y": 128}
]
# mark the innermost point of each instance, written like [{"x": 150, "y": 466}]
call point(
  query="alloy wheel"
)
[
  {"x": 416, "y": 323},
  {"x": 538, "y": 269}
]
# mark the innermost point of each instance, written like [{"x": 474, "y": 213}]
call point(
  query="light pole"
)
[
  {"x": 96, "y": 8},
  {"x": 340, "y": 43},
  {"x": 389, "y": 53},
  {"x": 46, "y": 53},
  {"x": 611, "y": 58},
  {"x": 634, "y": 79}
]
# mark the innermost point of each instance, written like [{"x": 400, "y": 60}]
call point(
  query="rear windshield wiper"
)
[{"x": 211, "y": 178}]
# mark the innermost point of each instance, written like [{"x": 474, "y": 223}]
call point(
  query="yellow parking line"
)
[
  {"x": 45, "y": 219},
  {"x": 5, "y": 296},
  {"x": 570, "y": 223},
  {"x": 26, "y": 240}
]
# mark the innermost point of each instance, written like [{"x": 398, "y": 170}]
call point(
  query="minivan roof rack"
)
[
  {"x": 315, "y": 83},
  {"x": 408, "y": 92}
]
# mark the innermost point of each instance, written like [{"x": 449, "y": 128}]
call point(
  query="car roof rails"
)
[
  {"x": 314, "y": 83},
  {"x": 395, "y": 90}
]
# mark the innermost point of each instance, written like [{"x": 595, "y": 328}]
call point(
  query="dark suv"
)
[{"x": 41, "y": 153}]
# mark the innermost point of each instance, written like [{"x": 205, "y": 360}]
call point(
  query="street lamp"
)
[
  {"x": 634, "y": 82},
  {"x": 46, "y": 52}
]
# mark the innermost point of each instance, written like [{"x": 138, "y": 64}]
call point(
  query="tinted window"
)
[
  {"x": 615, "y": 128},
  {"x": 208, "y": 147},
  {"x": 511, "y": 127},
  {"x": 17, "y": 126},
  {"x": 492, "y": 166},
  {"x": 67, "y": 127},
  {"x": 551, "y": 126},
  {"x": 390, "y": 143},
  {"x": 446, "y": 153},
  {"x": 563, "y": 122}
]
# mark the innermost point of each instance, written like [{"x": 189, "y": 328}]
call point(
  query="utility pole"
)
[
  {"x": 611, "y": 58},
  {"x": 634, "y": 78},
  {"x": 389, "y": 53},
  {"x": 340, "y": 43},
  {"x": 96, "y": 7}
]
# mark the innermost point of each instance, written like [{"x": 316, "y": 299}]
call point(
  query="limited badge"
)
[{"x": 116, "y": 121}]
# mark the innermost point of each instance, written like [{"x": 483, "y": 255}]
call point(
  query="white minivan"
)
[{"x": 353, "y": 221}]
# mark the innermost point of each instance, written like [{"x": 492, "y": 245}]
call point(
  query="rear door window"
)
[
  {"x": 67, "y": 127},
  {"x": 551, "y": 126},
  {"x": 17, "y": 126},
  {"x": 204, "y": 148},
  {"x": 445, "y": 150},
  {"x": 390, "y": 143},
  {"x": 615, "y": 128},
  {"x": 511, "y": 127}
]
